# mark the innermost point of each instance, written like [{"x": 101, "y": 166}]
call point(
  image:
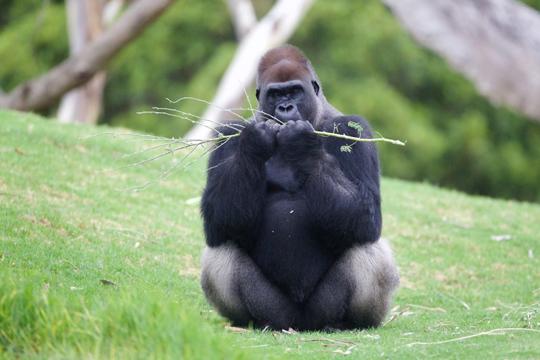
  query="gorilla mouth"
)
[
  {"x": 284, "y": 120},
  {"x": 289, "y": 116}
]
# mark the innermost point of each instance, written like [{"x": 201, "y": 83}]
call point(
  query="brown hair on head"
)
[{"x": 282, "y": 64}]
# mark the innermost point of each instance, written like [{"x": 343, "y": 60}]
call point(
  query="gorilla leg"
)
[
  {"x": 357, "y": 290},
  {"x": 235, "y": 286}
]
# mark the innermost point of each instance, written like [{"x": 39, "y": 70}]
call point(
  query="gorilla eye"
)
[
  {"x": 257, "y": 93},
  {"x": 316, "y": 87}
]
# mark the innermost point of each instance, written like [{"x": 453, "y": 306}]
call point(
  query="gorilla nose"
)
[
  {"x": 285, "y": 108},
  {"x": 287, "y": 112}
]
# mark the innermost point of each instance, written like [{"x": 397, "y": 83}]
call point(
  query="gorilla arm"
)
[
  {"x": 341, "y": 188},
  {"x": 234, "y": 195},
  {"x": 348, "y": 208}
]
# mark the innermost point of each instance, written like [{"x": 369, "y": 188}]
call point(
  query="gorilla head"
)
[{"x": 287, "y": 86}]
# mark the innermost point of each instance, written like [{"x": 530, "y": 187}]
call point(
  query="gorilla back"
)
[{"x": 292, "y": 223}]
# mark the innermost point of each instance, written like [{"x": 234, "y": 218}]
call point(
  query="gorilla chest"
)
[
  {"x": 286, "y": 249},
  {"x": 281, "y": 176}
]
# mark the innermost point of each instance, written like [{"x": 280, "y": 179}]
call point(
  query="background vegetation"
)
[{"x": 367, "y": 62}]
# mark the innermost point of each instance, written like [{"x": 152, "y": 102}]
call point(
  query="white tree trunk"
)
[
  {"x": 273, "y": 30},
  {"x": 243, "y": 16},
  {"x": 86, "y": 20},
  {"x": 494, "y": 43}
]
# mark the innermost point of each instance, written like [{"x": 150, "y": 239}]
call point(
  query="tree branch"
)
[
  {"x": 45, "y": 90},
  {"x": 494, "y": 43}
]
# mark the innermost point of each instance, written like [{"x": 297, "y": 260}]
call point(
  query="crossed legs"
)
[{"x": 355, "y": 293}]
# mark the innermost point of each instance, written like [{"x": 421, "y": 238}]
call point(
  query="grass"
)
[{"x": 92, "y": 269}]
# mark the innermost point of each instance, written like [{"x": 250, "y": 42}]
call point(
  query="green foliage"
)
[
  {"x": 33, "y": 43},
  {"x": 357, "y": 127},
  {"x": 67, "y": 221},
  {"x": 535, "y": 4},
  {"x": 346, "y": 148},
  {"x": 366, "y": 61}
]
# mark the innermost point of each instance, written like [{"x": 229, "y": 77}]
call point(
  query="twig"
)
[
  {"x": 324, "y": 339},
  {"x": 147, "y": 137},
  {"x": 170, "y": 146},
  {"x": 463, "y": 303},
  {"x": 483, "y": 333},
  {"x": 357, "y": 139},
  {"x": 207, "y": 103},
  {"x": 437, "y": 309}
]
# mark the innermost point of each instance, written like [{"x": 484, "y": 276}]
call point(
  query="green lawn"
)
[{"x": 92, "y": 268}]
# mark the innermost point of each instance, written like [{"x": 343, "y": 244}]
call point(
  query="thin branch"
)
[
  {"x": 357, "y": 139},
  {"x": 200, "y": 123},
  {"x": 232, "y": 111},
  {"x": 325, "y": 134},
  {"x": 216, "y": 142},
  {"x": 209, "y": 103},
  {"x": 196, "y": 118}
]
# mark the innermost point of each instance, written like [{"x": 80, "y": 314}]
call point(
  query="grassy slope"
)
[{"x": 67, "y": 221}]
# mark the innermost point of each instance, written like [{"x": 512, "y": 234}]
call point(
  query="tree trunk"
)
[
  {"x": 83, "y": 104},
  {"x": 494, "y": 43},
  {"x": 243, "y": 17},
  {"x": 273, "y": 30},
  {"x": 45, "y": 90}
]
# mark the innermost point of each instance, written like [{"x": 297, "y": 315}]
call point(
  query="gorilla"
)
[{"x": 292, "y": 222}]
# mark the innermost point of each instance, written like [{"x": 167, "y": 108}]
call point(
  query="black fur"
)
[{"x": 294, "y": 203}]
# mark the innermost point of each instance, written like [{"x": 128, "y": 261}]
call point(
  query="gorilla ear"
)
[
  {"x": 257, "y": 93},
  {"x": 316, "y": 87}
]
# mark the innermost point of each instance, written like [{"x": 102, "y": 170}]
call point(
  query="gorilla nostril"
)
[{"x": 285, "y": 108}]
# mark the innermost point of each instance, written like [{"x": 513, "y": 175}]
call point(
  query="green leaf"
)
[{"x": 356, "y": 126}]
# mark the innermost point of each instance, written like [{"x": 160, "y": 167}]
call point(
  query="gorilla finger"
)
[
  {"x": 275, "y": 128},
  {"x": 270, "y": 127},
  {"x": 305, "y": 125},
  {"x": 290, "y": 123},
  {"x": 308, "y": 124}
]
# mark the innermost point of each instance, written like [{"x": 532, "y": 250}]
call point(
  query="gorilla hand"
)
[
  {"x": 297, "y": 141},
  {"x": 259, "y": 139}
]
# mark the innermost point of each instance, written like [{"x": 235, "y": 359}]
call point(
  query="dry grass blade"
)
[
  {"x": 501, "y": 331},
  {"x": 236, "y": 329}
]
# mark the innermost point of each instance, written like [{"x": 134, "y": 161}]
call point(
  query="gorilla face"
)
[{"x": 288, "y": 90}]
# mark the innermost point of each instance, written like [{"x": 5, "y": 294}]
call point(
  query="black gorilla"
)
[{"x": 292, "y": 222}]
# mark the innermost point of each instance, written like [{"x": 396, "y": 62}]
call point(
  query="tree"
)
[
  {"x": 79, "y": 68},
  {"x": 494, "y": 43},
  {"x": 243, "y": 16},
  {"x": 86, "y": 22}
]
